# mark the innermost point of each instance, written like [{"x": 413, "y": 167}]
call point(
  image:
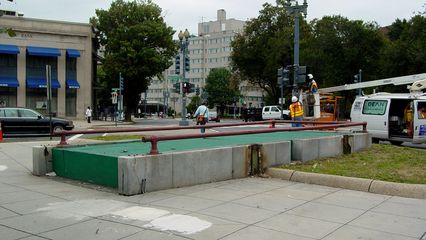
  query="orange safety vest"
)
[{"x": 296, "y": 110}]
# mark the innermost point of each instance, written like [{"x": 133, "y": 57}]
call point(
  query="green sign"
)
[
  {"x": 174, "y": 78},
  {"x": 115, "y": 89}
]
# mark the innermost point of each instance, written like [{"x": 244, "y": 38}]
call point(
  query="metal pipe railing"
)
[
  {"x": 271, "y": 123},
  {"x": 155, "y": 139}
]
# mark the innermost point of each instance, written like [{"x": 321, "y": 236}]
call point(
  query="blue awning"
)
[
  {"x": 42, "y": 51},
  {"x": 9, "y": 49},
  {"x": 9, "y": 82},
  {"x": 72, "y": 53},
  {"x": 72, "y": 83},
  {"x": 41, "y": 83}
]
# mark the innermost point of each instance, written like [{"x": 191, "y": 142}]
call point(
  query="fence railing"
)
[{"x": 155, "y": 139}]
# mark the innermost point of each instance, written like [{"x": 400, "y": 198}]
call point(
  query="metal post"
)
[
  {"x": 282, "y": 97},
  {"x": 145, "y": 106},
  {"x": 296, "y": 10},
  {"x": 184, "y": 42},
  {"x": 360, "y": 80},
  {"x": 49, "y": 97},
  {"x": 296, "y": 54}
]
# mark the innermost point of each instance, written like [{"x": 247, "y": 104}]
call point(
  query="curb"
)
[{"x": 357, "y": 184}]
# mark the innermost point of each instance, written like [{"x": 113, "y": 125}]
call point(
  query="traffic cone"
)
[{"x": 1, "y": 134}]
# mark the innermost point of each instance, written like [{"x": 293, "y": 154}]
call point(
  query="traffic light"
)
[
  {"x": 177, "y": 64},
  {"x": 187, "y": 63},
  {"x": 286, "y": 77},
  {"x": 121, "y": 83},
  {"x": 301, "y": 78},
  {"x": 197, "y": 91},
  {"x": 185, "y": 87},
  {"x": 356, "y": 78},
  {"x": 280, "y": 72},
  {"x": 176, "y": 87}
]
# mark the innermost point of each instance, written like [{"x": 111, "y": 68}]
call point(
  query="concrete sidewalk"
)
[{"x": 252, "y": 208}]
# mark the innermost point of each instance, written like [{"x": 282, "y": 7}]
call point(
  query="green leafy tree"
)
[
  {"x": 137, "y": 42},
  {"x": 265, "y": 45},
  {"x": 406, "y": 53},
  {"x": 220, "y": 89},
  {"x": 340, "y": 47}
]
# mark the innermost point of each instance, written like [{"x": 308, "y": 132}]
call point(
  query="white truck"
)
[
  {"x": 391, "y": 116},
  {"x": 396, "y": 117},
  {"x": 274, "y": 112}
]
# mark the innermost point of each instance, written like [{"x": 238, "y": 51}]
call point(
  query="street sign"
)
[
  {"x": 115, "y": 89},
  {"x": 114, "y": 97},
  {"x": 174, "y": 78}
]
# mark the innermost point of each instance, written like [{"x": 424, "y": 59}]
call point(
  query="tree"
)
[
  {"x": 218, "y": 86},
  {"x": 138, "y": 44},
  {"x": 339, "y": 47},
  {"x": 406, "y": 53},
  {"x": 265, "y": 45}
]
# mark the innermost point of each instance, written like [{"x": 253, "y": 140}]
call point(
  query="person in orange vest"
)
[
  {"x": 296, "y": 111},
  {"x": 408, "y": 118}
]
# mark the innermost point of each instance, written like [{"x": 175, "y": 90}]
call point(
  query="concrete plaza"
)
[{"x": 251, "y": 208}]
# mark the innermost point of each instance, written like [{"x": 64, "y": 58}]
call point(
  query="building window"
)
[
  {"x": 36, "y": 99},
  {"x": 71, "y": 93},
  {"x": 8, "y": 71},
  {"x": 36, "y": 69},
  {"x": 71, "y": 102},
  {"x": 8, "y": 96}
]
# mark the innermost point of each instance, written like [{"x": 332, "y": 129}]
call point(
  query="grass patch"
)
[
  {"x": 380, "y": 162},
  {"x": 116, "y": 137}
]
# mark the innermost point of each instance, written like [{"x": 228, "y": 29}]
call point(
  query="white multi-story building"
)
[{"x": 210, "y": 49}]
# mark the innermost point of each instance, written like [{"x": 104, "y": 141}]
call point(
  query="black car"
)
[{"x": 24, "y": 121}]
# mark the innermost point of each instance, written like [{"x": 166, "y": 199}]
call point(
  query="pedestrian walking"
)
[{"x": 88, "y": 114}]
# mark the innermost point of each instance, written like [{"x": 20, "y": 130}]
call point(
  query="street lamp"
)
[
  {"x": 295, "y": 10},
  {"x": 183, "y": 45}
]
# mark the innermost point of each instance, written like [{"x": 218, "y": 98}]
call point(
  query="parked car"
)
[
  {"x": 213, "y": 116},
  {"x": 24, "y": 121}
]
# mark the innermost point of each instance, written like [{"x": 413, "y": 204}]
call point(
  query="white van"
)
[
  {"x": 396, "y": 117},
  {"x": 274, "y": 112}
]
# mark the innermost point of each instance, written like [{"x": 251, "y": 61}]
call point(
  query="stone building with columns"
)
[{"x": 68, "y": 49}]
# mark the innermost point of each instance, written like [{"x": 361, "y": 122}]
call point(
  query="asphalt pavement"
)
[{"x": 252, "y": 208}]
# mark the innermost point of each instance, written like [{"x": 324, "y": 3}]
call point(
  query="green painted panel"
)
[{"x": 97, "y": 169}]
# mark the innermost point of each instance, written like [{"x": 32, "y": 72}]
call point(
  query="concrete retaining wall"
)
[
  {"x": 42, "y": 160},
  {"x": 144, "y": 173},
  {"x": 310, "y": 149},
  {"x": 139, "y": 174}
]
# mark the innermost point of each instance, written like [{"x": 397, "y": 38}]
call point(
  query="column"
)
[{"x": 22, "y": 76}]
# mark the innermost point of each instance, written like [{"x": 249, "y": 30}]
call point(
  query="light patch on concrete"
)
[
  {"x": 3, "y": 168},
  {"x": 141, "y": 213},
  {"x": 75, "y": 137},
  {"x": 179, "y": 223},
  {"x": 82, "y": 208}
]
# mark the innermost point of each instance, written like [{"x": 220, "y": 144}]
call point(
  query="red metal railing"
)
[
  {"x": 63, "y": 134},
  {"x": 155, "y": 139}
]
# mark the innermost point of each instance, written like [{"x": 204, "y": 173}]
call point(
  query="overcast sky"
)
[{"x": 181, "y": 14}]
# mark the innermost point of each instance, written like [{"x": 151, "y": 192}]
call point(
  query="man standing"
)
[
  {"x": 296, "y": 111},
  {"x": 202, "y": 115},
  {"x": 88, "y": 114},
  {"x": 313, "y": 86}
]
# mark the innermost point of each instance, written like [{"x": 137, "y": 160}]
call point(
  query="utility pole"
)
[
  {"x": 296, "y": 10},
  {"x": 184, "y": 42}
]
